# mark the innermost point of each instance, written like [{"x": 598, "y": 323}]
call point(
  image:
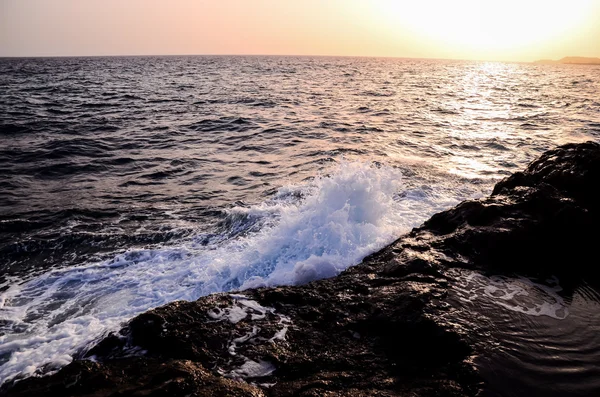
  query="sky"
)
[{"x": 504, "y": 30}]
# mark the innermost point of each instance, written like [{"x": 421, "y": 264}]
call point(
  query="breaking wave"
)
[{"x": 302, "y": 233}]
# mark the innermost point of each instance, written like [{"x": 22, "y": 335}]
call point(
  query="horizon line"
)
[
  {"x": 254, "y": 55},
  {"x": 280, "y": 55}
]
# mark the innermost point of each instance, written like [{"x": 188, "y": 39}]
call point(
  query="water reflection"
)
[{"x": 541, "y": 338}]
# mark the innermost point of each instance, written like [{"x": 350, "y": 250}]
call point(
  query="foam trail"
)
[
  {"x": 517, "y": 294},
  {"x": 304, "y": 233}
]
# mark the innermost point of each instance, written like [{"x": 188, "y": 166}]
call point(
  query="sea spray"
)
[{"x": 302, "y": 233}]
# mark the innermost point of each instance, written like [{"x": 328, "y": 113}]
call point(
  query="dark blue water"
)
[{"x": 127, "y": 183}]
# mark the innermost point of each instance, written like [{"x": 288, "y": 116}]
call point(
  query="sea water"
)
[{"x": 131, "y": 182}]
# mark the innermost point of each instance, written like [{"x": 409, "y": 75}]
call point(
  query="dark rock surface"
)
[{"x": 378, "y": 329}]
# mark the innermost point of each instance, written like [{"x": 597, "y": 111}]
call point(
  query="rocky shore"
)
[{"x": 381, "y": 328}]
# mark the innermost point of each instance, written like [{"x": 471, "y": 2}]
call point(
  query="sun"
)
[{"x": 487, "y": 25}]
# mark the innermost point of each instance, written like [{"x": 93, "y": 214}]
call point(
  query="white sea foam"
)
[
  {"x": 241, "y": 308},
  {"x": 252, "y": 369},
  {"x": 518, "y": 294},
  {"x": 304, "y": 233}
]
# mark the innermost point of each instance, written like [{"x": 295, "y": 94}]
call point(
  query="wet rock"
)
[
  {"x": 378, "y": 329},
  {"x": 536, "y": 222}
]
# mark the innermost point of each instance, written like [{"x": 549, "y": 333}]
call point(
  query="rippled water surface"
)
[
  {"x": 538, "y": 337},
  {"x": 127, "y": 183}
]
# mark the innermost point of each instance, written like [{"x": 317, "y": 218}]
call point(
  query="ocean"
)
[{"x": 130, "y": 182}]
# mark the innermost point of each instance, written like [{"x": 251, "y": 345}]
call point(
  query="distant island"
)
[{"x": 572, "y": 61}]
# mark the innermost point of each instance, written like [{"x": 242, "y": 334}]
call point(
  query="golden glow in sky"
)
[
  {"x": 513, "y": 30},
  {"x": 493, "y": 27}
]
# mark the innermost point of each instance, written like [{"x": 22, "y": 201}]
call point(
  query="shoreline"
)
[{"x": 380, "y": 328}]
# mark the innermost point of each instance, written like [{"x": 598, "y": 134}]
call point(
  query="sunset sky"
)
[{"x": 510, "y": 30}]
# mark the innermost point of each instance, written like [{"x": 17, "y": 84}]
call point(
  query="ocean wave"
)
[{"x": 302, "y": 233}]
